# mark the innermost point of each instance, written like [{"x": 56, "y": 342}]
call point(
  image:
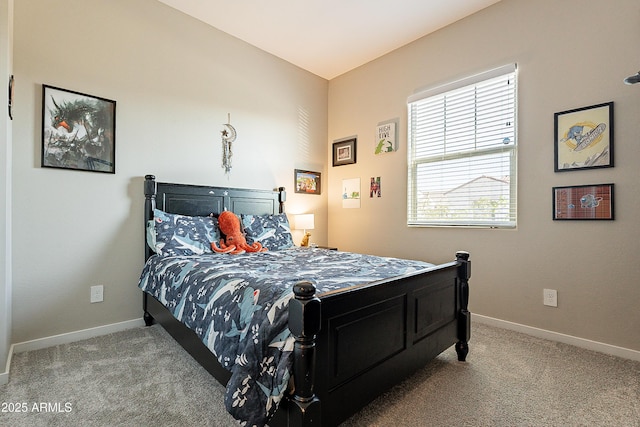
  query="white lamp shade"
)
[{"x": 304, "y": 222}]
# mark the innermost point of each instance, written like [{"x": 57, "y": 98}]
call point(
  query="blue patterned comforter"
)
[{"x": 237, "y": 305}]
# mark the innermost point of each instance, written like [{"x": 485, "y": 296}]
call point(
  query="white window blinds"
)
[{"x": 462, "y": 152}]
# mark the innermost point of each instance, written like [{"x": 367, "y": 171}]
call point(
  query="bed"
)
[{"x": 344, "y": 346}]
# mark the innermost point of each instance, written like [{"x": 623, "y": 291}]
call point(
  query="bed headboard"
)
[{"x": 200, "y": 200}]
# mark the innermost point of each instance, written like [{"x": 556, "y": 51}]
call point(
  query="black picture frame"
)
[
  {"x": 344, "y": 151},
  {"x": 583, "y": 138},
  {"x": 307, "y": 182},
  {"x": 78, "y": 131},
  {"x": 583, "y": 202}
]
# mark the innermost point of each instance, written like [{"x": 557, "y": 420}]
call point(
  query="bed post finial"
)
[
  {"x": 149, "y": 186},
  {"x": 464, "y": 317},
  {"x": 304, "y": 324}
]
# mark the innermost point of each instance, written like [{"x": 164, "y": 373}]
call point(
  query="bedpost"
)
[
  {"x": 304, "y": 324},
  {"x": 282, "y": 197},
  {"x": 149, "y": 205},
  {"x": 464, "y": 317}
]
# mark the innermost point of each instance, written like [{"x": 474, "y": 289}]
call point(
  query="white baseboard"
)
[
  {"x": 612, "y": 350},
  {"x": 4, "y": 376},
  {"x": 69, "y": 337}
]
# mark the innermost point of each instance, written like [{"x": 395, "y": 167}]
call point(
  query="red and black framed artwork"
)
[{"x": 583, "y": 202}]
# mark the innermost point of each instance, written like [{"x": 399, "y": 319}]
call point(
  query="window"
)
[{"x": 462, "y": 153}]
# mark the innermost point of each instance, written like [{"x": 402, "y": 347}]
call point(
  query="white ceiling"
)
[{"x": 328, "y": 37}]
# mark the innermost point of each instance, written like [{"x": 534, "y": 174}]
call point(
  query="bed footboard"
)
[{"x": 372, "y": 338}]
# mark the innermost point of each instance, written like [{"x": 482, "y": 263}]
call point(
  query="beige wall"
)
[
  {"x": 570, "y": 54},
  {"x": 174, "y": 80}
]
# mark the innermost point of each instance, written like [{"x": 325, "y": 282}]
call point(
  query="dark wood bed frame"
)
[{"x": 351, "y": 345}]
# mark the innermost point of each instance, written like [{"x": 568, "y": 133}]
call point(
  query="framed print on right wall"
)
[
  {"x": 583, "y": 202},
  {"x": 584, "y": 138}
]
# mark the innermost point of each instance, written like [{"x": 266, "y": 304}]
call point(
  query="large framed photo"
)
[
  {"x": 78, "y": 131},
  {"x": 344, "y": 151},
  {"x": 584, "y": 138},
  {"x": 307, "y": 182},
  {"x": 583, "y": 202}
]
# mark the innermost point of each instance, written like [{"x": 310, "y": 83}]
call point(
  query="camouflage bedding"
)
[{"x": 237, "y": 305}]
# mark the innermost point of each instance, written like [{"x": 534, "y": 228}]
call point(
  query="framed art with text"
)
[
  {"x": 78, "y": 131},
  {"x": 386, "y": 137},
  {"x": 584, "y": 138},
  {"x": 583, "y": 202}
]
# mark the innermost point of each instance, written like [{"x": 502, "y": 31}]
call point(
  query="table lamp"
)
[{"x": 304, "y": 222}]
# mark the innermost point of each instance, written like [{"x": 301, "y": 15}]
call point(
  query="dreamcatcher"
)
[{"x": 228, "y": 136}]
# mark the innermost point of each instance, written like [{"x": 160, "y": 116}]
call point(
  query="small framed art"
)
[
  {"x": 583, "y": 202},
  {"x": 344, "y": 151},
  {"x": 78, "y": 131},
  {"x": 386, "y": 137},
  {"x": 307, "y": 182},
  {"x": 584, "y": 138}
]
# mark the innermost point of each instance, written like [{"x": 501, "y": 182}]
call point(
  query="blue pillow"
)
[
  {"x": 182, "y": 234},
  {"x": 273, "y": 231}
]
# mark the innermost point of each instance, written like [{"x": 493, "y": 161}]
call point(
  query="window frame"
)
[{"x": 510, "y": 151}]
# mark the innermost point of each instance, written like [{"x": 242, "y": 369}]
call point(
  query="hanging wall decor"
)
[
  {"x": 351, "y": 193},
  {"x": 584, "y": 138},
  {"x": 228, "y": 136},
  {"x": 307, "y": 182},
  {"x": 344, "y": 151},
  {"x": 78, "y": 131},
  {"x": 583, "y": 202},
  {"x": 386, "y": 137},
  {"x": 375, "y": 187}
]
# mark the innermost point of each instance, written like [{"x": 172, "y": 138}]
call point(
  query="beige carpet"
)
[{"x": 141, "y": 377}]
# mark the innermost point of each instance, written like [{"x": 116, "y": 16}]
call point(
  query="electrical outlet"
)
[
  {"x": 550, "y": 297},
  {"x": 97, "y": 293}
]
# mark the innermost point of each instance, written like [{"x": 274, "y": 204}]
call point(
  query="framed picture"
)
[
  {"x": 307, "y": 182},
  {"x": 78, "y": 131},
  {"x": 386, "y": 137},
  {"x": 584, "y": 138},
  {"x": 344, "y": 151},
  {"x": 583, "y": 202}
]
